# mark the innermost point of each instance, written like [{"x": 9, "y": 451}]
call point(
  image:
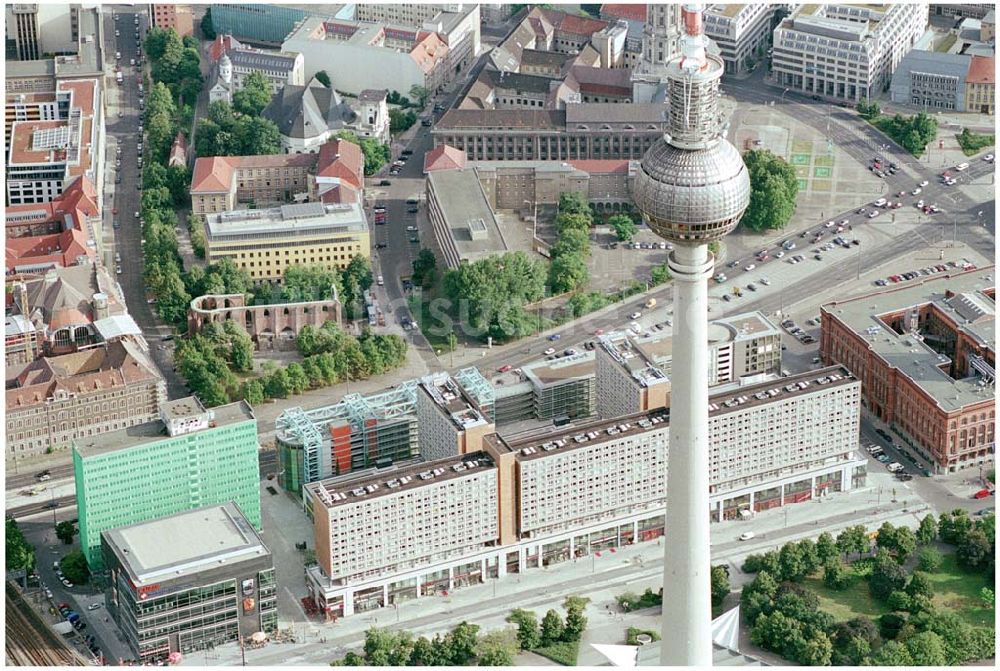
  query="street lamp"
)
[{"x": 782, "y": 101}]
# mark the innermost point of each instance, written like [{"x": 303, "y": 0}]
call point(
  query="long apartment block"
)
[{"x": 564, "y": 492}]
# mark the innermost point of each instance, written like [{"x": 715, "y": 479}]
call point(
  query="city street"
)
[{"x": 124, "y": 118}]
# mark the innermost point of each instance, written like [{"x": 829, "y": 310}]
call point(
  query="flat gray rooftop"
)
[
  {"x": 342, "y": 491},
  {"x": 909, "y": 354},
  {"x": 156, "y": 431},
  {"x": 185, "y": 543},
  {"x": 462, "y": 201},
  {"x": 530, "y": 446},
  {"x": 182, "y": 407},
  {"x": 302, "y": 219},
  {"x": 563, "y": 369}
]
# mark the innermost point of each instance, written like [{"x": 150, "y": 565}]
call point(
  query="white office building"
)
[
  {"x": 845, "y": 51},
  {"x": 741, "y": 32},
  {"x": 539, "y": 498}
]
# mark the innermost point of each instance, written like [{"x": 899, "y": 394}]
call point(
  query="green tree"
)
[
  {"x": 899, "y": 601},
  {"x": 929, "y": 560},
  {"x": 254, "y": 95},
  {"x": 425, "y": 268},
  {"x": 178, "y": 181},
  {"x": 497, "y": 648},
  {"x": 259, "y": 136},
  {"x": 420, "y": 93},
  {"x": 493, "y": 291},
  {"x": 528, "y": 633},
  {"x": 659, "y": 274},
  {"x": 974, "y": 550},
  {"x": 573, "y": 220},
  {"x": 568, "y": 272},
  {"x": 853, "y": 641},
  {"x": 892, "y": 654},
  {"x": 207, "y": 30},
  {"x": 277, "y": 384},
  {"x": 853, "y": 539},
  {"x": 593, "y": 10},
  {"x": 297, "y": 378},
  {"x": 552, "y": 628},
  {"x": 65, "y": 531},
  {"x": 576, "y": 624},
  {"x": 920, "y": 585},
  {"x": 773, "y": 188},
  {"x": 813, "y": 649},
  {"x": 773, "y": 631},
  {"x": 376, "y": 154},
  {"x": 573, "y": 202},
  {"x": 905, "y": 544},
  {"x": 790, "y": 558},
  {"x": 927, "y": 531},
  {"x": 461, "y": 643},
  {"x": 835, "y": 575},
  {"x": 74, "y": 567},
  {"x": 826, "y": 548},
  {"x": 988, "y": 597},
  {"x": 324, "y": 79},
  {"x": 20, "y": 555},
  {"x": 720, "y": 584},
  {"x": 623, "y": 226},
  {"x": 887, "y": 576},
  {"x": 926, "y": 649},
  {"x": 253, "y": 392},
  {"x": 400, "y": 120}
]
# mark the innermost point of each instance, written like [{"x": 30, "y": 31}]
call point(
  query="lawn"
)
[
  {"x": 431, "y": 328},
  {"x": 959, "y": 590},
  {"x": 973, "y": 143},
  {"x": 564, "y": 653},
  {"x": 851, "y": 602},
  {"x": 954, "y": 588}
]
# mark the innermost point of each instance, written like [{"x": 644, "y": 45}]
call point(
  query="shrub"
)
[{"x": 929, "y": 560}]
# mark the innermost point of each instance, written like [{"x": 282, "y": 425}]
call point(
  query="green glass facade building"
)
[
  {"x": 259, "y": 24},
  {"x": 189, "y": 458}
]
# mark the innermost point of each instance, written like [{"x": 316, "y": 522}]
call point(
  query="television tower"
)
[{"x": 692, "y": 189}]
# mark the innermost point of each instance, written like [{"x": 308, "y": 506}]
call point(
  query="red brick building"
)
[
  {"x": 177, "y": 17},
  {"x": 926, "y": 355}
]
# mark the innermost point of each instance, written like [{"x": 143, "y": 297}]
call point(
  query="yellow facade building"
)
[{"x": 266, "y": 242}]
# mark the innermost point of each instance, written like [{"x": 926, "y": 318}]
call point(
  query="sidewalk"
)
[{"x": 601, "y": 578}]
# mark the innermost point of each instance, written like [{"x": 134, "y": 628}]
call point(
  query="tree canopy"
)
[
  {"x": 493, "y": 293},
  {"x": 254, "y": 95},
  {"x": 773, "y": 188}
]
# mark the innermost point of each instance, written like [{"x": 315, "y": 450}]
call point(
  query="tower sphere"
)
[{"x": 692, "y": 197}]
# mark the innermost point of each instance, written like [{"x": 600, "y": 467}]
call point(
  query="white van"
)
[
  {"x": 894, "y": 466},
  {"x": 961, "y": 166},
  {"x": 880, "y": 202},
  {"x": 380, "y": 281}
]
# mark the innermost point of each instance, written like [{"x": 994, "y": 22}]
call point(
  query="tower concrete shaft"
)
[
  {"x": 692, "y": 189},
  {"x": 687, "y": 607}
]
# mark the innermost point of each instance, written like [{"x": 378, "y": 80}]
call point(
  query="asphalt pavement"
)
[{"x": 124, "y": 118}]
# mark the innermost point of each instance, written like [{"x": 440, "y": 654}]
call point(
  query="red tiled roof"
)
[
  {"x": 78, "y": 202},
  {"x": 212, "y": 174},
  {"x": 982, "y": 70},
  {"x": 221, "y": 45},
  {"x": 343, "y": 159},
  {"x": 573, "y": 24},
  {"x": 601, "y": 166},
  {"x": 340, "y": 194},
  {"x": 444, "y": 157},
  {"x": 62, "y": 249},
  {"x": 624, "y": 11}
]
